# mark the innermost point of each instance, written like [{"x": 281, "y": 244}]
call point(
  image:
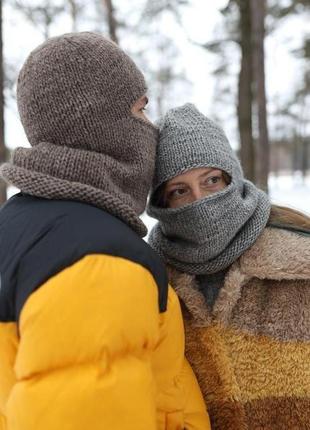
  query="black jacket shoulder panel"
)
[{"x": 40, "y": 237}]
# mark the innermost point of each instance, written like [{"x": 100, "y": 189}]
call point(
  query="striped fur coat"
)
[{"x": 251, "y": 354}]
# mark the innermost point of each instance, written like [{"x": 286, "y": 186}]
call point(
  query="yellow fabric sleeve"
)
[
  {"x": 179, "y": 400},
  {"x": 195, "y": 413},
  {"x": 8, "y": 350},
  {"x": 94, "y": 352},
  {"x": 2, "y": 422},
  {"x": 84, "y": 359}
]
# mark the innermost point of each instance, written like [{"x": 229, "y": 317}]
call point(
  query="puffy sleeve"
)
[
  {"x": 94, "y": 352},
  {"x": 8, "y": 350},
  {"x": 196, "y": 416},
  {"x": 179, "y": 400},
  {"x": 84, "y": 358}
]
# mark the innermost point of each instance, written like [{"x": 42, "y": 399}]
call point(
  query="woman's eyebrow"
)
[
  {"x": 175, "y": 184},
  {"x": 209, "y": 171}
]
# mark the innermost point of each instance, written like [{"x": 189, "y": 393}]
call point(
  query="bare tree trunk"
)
[
  {"x": 3, "y": 195},
  {"x": 247, "y": 150},
  {"x": 258, "y": 35},
  {"x": 305, "y": 157},
  {"x": 112, "y": 22},
  {"x": 303, "y": 133}
]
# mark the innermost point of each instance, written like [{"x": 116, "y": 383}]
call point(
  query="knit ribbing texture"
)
[
  {"x": 75, "y": 94},
  {"x": 207, "y": 235}
]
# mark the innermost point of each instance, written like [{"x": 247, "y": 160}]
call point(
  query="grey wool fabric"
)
[
  {"x": 208, "y": 235},
  {"x": 74, "y": 95}
]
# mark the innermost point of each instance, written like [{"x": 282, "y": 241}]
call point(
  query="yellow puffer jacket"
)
[{"x": 90, "y": 348}]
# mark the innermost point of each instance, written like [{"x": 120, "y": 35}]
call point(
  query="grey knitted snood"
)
[
  {"x": 210, "y": 234},
  {"x": 74, "y": 95}
]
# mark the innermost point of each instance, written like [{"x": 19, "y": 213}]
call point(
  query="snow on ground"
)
[{"x": 291, "y": 191}]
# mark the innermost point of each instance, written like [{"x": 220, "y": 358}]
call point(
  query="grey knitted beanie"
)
[
  {"x": 207, "y": 235},
  {"x": 189, "y": 140},
  {"x": 74, "y": 95}
]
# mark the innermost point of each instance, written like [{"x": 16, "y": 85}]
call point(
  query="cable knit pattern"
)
[{"x": 75, "y": 94}]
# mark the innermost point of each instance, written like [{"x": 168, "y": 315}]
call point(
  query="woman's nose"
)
[{"x": 197, "y": 193}]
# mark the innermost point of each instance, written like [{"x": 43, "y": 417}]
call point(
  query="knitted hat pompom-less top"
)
[
  {"x": 74, "y": 95},
  {"x": 208, "y": 235}
]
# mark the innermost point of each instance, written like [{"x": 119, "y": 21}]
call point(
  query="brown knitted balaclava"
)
[{"x": 75, "y": 94}]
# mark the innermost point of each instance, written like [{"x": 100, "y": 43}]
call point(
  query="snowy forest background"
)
[{"x": 244, "y": 63}]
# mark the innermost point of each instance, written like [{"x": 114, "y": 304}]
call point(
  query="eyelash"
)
[
  {"x": 172, "y": 193},
  {"x": 218, "y": 178}
]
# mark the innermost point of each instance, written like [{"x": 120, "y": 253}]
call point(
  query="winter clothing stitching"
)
[
  {"x": 86, "y": 144},
  {"x": 236, "y": 216},
  {"x": 251, "y": 354},
  {"x": 91, "y": 336}
]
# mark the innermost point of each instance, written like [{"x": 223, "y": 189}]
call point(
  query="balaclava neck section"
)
[
  {"x": 208, "y": 235},
  {"x": 75, "y": 94}
]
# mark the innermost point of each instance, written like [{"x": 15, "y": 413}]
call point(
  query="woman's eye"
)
[
  {"x": 212, "y": 180},
  {"x": 179, "y": 192}
]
